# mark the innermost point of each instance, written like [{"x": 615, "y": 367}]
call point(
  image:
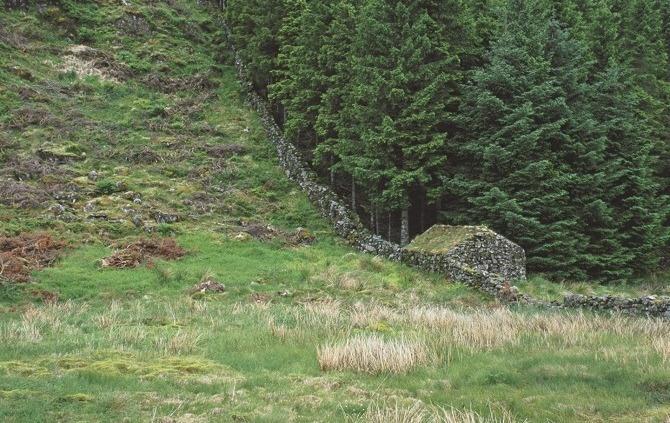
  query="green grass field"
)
[{"x": 303, "y": 332}]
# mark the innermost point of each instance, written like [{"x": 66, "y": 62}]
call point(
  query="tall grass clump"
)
[
  {"x": 418, "y": 412},
  {"x": 373, "y": 354}
]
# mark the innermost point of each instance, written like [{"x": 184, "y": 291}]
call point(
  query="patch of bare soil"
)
[
  {"x": 22, "y": 254},
  {"x": 143, "y": 250},
  {"x": 208, "y": 285}
]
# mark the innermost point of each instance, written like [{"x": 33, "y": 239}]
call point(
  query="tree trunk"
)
[
  {"x": 376, "y": 221},
  {"x": 404, "y": 227},
  {"x": 332, "y": 171},
  {"x": 389, "y": 227},
  {"x": 422, "y": 213},
  {"x": 353, "y": 193}
]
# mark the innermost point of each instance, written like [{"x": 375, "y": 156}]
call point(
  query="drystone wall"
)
[
  {"x": 649, "y": 305},
  {"x": 347, "y": 225}
]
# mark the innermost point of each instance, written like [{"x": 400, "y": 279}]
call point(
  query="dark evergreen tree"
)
[
  {"x": 404, "y": 80},
  {"x": 255, "y": 27},
  {"x": 519, "y": 148}
]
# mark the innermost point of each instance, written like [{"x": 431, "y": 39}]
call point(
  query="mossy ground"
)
[{"x": 143, "y": 111}]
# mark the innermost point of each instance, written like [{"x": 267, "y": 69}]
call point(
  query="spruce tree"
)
[
  {"x": 403, "y": 78},
  {"x": 518, "y": 142},
  {"x": 254, "y": 25}
]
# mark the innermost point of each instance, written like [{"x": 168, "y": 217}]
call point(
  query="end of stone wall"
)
[{"x": 476, "y": 247}]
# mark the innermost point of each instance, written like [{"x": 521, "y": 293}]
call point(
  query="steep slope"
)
[{"x": 121, "y": 121}]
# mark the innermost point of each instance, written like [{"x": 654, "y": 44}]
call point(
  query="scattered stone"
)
[
  {"x": 208, "y": 285},
  {"x": 243, "y": 236},
  {"x": 137, "y": 221},
  {"x": 224, "y": 151},
  {"x": 164, "y": 218},
  {"x": 93, "y": 176},
  {"x": 132, "y": 24},
  {"x": 22, "y": 73},
  {"x": 301, "y": 236},
  {"x": 90, "y": 206},
  {"x": 283, "y": 293},
  {"x": 66, "y": 193},
  {"x": 57, "y": 209},
  {"x": 260, "y": 298}
]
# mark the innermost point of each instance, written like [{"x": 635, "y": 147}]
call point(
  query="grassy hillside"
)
[{"x": 120, "y": 123}]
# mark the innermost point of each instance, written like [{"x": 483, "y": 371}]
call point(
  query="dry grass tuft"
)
[
  {"x": 366, "y": 315},
  {"x": 662, "y": 347},
  {"x": 479, "y": 330},
  {"x": 182, "y": 342},
  {"x": 373, "y": 354},
  {"x": 459, "y": 416},
  {"x": 418, "y": 412},
  {"x": 397, "y": 413}
]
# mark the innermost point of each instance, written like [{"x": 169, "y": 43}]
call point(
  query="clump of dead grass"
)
[
  {"x": 478, "y": 330},
  {"x": 182, "y": 342},
  {"x": 143, "y": 250},
  {"x": 21, "y": 255},
  {"x": 373, "y": 354},
  {"x": 87, "y": 61},
  {"x": 418, "y": 412}
]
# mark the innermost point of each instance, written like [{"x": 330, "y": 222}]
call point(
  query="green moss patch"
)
[{"x": 443, "y": 238}]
